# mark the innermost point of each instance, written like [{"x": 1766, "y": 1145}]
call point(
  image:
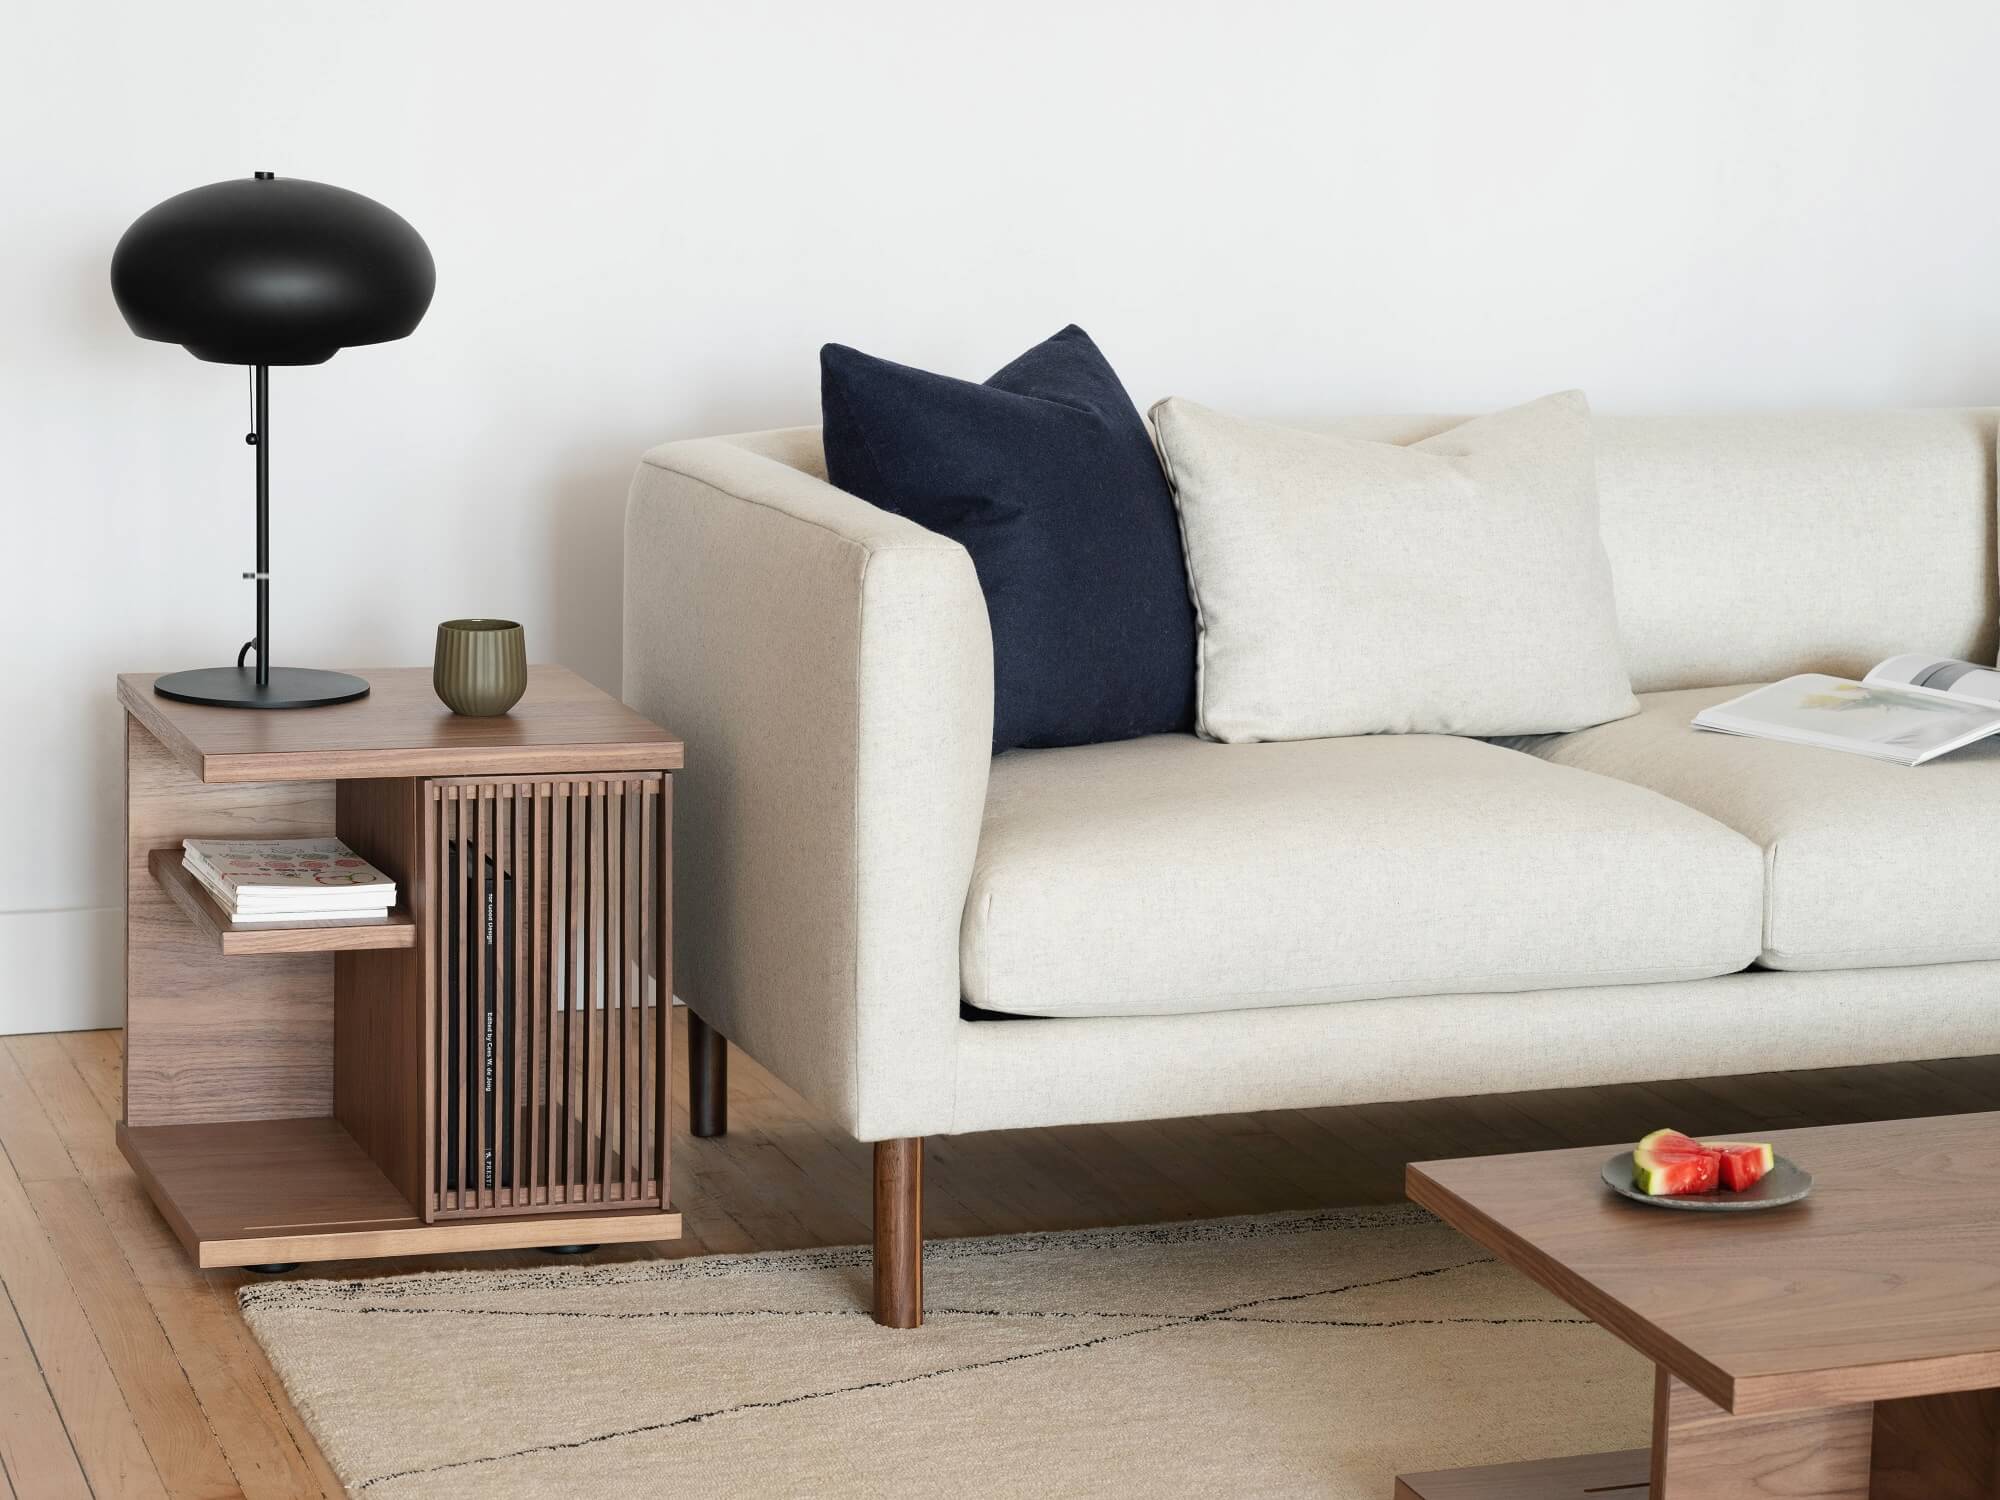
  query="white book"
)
[
  {"x": 286, "y": 874},
  {"x": 309, "y": 918},
  {"x": 1908, "y": 709}
]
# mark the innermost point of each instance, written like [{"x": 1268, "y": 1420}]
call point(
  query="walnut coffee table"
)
[{"x": 1842, "y": 1347}]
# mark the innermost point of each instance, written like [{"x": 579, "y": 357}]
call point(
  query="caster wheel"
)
[
  {"x": 567, "y": 1249},
  {"x": 275, "y": 1268}
]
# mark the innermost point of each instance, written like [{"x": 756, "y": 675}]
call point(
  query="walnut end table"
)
[{"x": 299, "y": 1093}]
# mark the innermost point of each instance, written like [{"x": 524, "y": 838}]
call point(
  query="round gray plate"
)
[{"x": 1786, "y": 1182}]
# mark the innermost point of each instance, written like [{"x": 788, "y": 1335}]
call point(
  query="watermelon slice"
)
[
  {"x": 1668, "y": 1164},
  {"x": 1663, "y": 1176},
  {"x": 1673, "y": 1142},
  {"x": 1743, "y": 1163}
]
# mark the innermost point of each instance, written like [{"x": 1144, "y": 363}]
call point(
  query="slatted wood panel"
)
[{"x": 550, "y": 936}]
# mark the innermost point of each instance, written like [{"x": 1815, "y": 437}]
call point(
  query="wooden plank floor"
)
[{"x": 123, "y": 1371}]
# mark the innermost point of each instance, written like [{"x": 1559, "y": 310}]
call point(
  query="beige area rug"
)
[{"x": 1298, "y": 1354}]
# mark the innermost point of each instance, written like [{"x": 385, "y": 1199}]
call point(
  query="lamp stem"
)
[{"x": 263, "y": 433}]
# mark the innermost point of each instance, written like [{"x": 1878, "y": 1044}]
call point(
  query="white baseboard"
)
[{"x": 62, "y": 970}]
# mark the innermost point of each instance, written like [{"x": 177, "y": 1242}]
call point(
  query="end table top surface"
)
[
  {"x": 1884, "y": 1283},
  {"x": 561, "y": 724}
]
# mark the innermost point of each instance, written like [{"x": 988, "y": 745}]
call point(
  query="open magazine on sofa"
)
[{"x": 1908, "y": 709}]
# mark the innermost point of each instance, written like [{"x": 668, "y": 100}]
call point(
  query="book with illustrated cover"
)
[
  {"x": 1908, "y": 709},
  {"x": 300, "y": 872},
  {"x": 278, "y": 881}
]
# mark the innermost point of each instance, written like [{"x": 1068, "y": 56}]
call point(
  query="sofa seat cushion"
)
[
  {"x": 1168, "y": 875},
  {"x": 1867, "y": 863}
]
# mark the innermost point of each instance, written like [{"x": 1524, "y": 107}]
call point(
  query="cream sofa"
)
[{"x": 923, "y": 939}]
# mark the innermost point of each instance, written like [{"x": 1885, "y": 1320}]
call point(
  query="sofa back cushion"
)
[
  {"x": 1456, "y": 585},
  {"x": 1747, "y": 547}
]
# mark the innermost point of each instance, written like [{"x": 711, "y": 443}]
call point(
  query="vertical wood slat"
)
[
  {"x": 538, "y": 1034},
  {"x": 614, "y": 986},
  {"x": 492, "y": 1027},
  {"x": 581, "y": 912},
  {"x": 648, "y": 1005},
  {"x": 576, "y": 1097},
  {"x": 482, "y": 1191},
  {"x": 585, "y": 999},
  {"x": 518, "y": 1106},
  {"x": 607, "y": 971},
  {"x": 439, "y": 934},
  {"x": 586, "y": 921},
  {"x": 663, "y": 992},
  {"x": 631, "y": 1020},
  {"x": 526, "y": 1009},
  {"x": 615, "y": 1001},
  {"x": 593, "y": 1172},
  {"x": 462, "y": 1049},
  {"x": 608, "y": 968},
  {"x": 558, "y": 1072},
  {"x": 468, "y": 896},
  {"x": 622, "y": 849}
]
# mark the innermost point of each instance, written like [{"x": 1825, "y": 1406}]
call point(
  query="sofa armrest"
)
[{"x": 830, "y": 668}]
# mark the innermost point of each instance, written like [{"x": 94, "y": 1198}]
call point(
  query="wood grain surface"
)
[
  {"x": 1591, "y": 1476},
  {"x": 302, "y": 1190},
  {"x": 382, "y": 1039},
  {"x": 216, "y": 1036},
  {"x": 1884, "y": 1283},
  {"x": 899, "y": 1221},
  {"x": 1701, "y": 1452},
  {"x": 1937, "y": 1447},
  {"x": 401, "y": 729}
]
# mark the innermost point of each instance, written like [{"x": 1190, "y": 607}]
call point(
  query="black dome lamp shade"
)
[{"x": 261, "y": 271}]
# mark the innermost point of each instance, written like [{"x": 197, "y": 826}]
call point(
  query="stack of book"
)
[{"x": 288, "y": 882}]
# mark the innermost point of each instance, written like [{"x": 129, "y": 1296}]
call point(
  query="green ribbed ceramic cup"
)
[{"x": 482, "y": 666}]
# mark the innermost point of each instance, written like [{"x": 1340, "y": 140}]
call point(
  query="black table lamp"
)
[{"x": 264, "y": 272}]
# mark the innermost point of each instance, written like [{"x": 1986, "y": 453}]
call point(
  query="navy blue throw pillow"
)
[{"x": 1048, "y": 478}]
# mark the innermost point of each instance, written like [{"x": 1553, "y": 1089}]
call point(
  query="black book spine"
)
[
  {"x": 496, "y": 1025},
  {"x": 485, "y": 1074}
]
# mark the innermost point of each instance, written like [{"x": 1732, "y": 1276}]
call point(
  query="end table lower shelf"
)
[{"x": 255, "y": 1192}]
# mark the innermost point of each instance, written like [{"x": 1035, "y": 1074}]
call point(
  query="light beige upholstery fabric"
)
[
  {"x": 1174, "y": 874},
  {"x": 830, "y": 668},
  {"x": 1454, "y": 586},
  {"x": 1747, "y": 548},
  {"x": 1867, "y": 864},
  {"x": 1750, "y": 546},
  {"x": 1081, "y": 1070}
]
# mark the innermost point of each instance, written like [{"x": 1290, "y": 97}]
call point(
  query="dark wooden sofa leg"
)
[
  {"x": 899, "y": 1232},
  {"x": 708, "y": 1078}
]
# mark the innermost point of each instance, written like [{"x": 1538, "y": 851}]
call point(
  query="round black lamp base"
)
[{"x": 236, "y": 687}]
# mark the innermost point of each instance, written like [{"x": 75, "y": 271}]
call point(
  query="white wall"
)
[{"x": 648, "y": 215}]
